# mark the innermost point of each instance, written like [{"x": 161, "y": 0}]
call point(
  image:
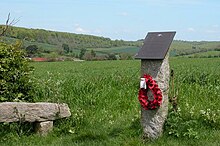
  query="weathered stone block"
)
[
  {"x": 32, "y": 112},
  {"x": 43, "y": 128}
]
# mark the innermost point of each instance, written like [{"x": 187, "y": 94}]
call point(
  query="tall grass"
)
[{"x": 105, "y": 110}]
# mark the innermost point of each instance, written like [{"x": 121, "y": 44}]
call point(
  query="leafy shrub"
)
[
  {"x": 16, "y": 84},
  {"x": 178, "y": 126},
  {"x": 211, "y": 118}
]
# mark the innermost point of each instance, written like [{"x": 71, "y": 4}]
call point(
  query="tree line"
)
[{"x": 75, "y": 41}]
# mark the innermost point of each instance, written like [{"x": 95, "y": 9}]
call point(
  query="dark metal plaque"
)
[{"x": 156, "y": 45}]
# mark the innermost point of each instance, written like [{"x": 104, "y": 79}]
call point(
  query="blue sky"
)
[{"x": 119, "y": 19}]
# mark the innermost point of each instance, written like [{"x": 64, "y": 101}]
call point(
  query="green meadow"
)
[
  {"x": 123, "y": 49},
  {"x": 102, "y": 96}
]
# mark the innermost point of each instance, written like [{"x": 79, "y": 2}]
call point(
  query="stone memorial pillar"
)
[{"x": 154, "y": 62}]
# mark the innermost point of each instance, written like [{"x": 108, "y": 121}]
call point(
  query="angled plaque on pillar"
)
[
  {"x": 156, "y": 45},
  {"x": 155, "y": 68}
]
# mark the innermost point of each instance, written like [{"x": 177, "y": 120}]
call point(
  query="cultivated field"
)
[{"x": 105, "y": 110}]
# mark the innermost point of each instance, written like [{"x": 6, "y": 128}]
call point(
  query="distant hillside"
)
[
  {"x": 52, "y": 41},
  {"x": 75, "y": 41},
  {"x": 182, "y": 48}
]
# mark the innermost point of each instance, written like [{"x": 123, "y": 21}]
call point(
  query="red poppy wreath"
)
[{"x": 143, "y": 98}]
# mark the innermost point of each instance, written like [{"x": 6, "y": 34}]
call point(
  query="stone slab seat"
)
[{"x": 42, "y": 113}]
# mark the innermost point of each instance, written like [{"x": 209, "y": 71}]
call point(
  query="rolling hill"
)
[{"x": 52, "y": 41}]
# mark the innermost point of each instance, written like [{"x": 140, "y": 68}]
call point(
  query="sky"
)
[{"x": 193, "y": 20}]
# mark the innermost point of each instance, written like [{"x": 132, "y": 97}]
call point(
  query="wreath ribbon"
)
[{"x": 143, "y": 98}]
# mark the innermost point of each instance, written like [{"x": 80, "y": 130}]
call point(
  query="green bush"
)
[{"x": 15, "y": 81}]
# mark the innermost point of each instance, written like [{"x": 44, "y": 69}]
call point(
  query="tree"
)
[
  {"x": 125, "y": 56},
  {"x": 16, "y": 83},
  {"x": 93, "y": 53},
  {"x": 88, "y": 56},
  {"x": 111, "y": 56},
  {"x": 66, "y": 48},
  {"x": 32, "y": 50},
  {"x": 193, "y": 47},
  {"x": 53, "y": 56},
  {"x": 7, "y": 24},
  {"x": 82, "y": 53}
]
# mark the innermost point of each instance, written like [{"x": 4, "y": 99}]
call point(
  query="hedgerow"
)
[{"x": 15, "y": 80}]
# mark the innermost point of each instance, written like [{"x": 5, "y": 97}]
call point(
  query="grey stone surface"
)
[
  {"x": 152, "y": 121},
  {"x": 32, "y": 112},
  {"x": 43, "y": 128}
]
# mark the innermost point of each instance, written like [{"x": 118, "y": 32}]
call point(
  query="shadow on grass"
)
[
  {"x": 133, "y": 130},
  {"x": 116, "y": 132},
  {"x": 13, "y": 131},
  {"x": 90, "y": 137}
]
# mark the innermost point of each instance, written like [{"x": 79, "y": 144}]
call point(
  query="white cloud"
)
[
  {"x": 212, "y": 31},
  {"x": 190, "y": 29},
  {"x": 76, "y": 25},
  {"x": 123, "y": 14},
  {"x": 80, "y": 30},
  {"x": 18, "y": 11},
  {"x": 215, "y": 26},
  {"x": 172, "y": 2},
  {"x": 187, "y": 2},
  {"x": 97, "y": 31}
]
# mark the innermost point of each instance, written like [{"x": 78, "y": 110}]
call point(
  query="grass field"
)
[
  {"x": 125, "y": 49},
  {"x": 187, "y": 45},
  {"x": 208, "y": 54},
  {"x": 105, "y": 110}
]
